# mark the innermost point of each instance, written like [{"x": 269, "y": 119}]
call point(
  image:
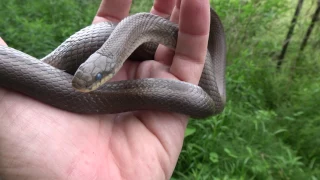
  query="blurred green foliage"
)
[{"x": 270, "y": 128}]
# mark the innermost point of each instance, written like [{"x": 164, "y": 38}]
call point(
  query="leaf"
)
[
  {"x": 230, "y": 153},
  {"x": 214, "y": 157},
  {"x": 189, "y": 131},
  {"x": 279, "y": 131}
]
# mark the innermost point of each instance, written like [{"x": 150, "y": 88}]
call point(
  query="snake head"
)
[{"x": 93, "y": 73}]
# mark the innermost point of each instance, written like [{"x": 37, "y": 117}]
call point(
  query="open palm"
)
[{"x": 38, "y": 141}]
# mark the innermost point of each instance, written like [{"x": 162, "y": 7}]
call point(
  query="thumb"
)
[{"x": 2, "y": 42}]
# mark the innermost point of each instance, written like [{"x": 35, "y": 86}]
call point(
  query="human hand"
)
[{"x": 38, "y": 141}]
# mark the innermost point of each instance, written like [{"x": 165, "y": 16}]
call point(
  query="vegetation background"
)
[{"x": 270, "y": 128}]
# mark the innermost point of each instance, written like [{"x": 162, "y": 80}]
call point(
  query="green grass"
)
[{"x": 270, "y": 128}]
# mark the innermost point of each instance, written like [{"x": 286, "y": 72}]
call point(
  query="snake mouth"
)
[{"x": 85, "y": 87}]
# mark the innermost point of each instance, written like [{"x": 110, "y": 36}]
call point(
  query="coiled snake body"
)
[{"x": 51, "y": 79}]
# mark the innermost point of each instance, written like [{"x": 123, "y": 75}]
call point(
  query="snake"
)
[{"x": 75, "y": 76}]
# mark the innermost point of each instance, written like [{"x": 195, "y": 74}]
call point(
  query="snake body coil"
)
[{"x": 50, "y": 80}]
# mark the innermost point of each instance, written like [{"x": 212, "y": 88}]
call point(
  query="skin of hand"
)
[{"x": 38, "y": 141}]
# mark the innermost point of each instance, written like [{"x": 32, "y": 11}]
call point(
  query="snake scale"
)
[{"x": 52, "y": 80}]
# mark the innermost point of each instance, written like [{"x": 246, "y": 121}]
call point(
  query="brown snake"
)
[{"x": 108, "y": 45}]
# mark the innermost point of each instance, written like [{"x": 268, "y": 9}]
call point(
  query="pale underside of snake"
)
[{"x": 53, "y": 80}]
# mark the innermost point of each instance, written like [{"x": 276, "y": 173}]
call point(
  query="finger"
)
[
  {"x": 192, "y": 42},
  {"x": 112, "y": 10},
  {"x": 2, "y": 42},
  {"x": 163, "y": 8},
  {"x": 176, "y": 12}
]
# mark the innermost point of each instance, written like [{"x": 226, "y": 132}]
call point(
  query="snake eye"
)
[{"x": 98, "y": 76}]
